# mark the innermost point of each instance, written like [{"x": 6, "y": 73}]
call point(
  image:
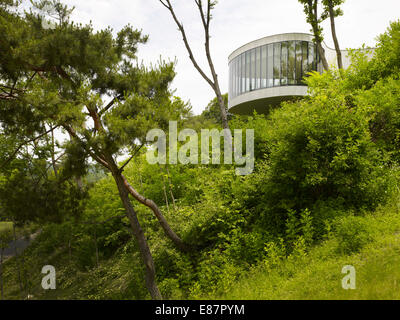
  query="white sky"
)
[{"x": 235, "y": 23}]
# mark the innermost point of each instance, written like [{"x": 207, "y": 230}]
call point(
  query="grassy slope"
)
[
  {"x": 5, "y": 226},
  {"x": 317, "y": 275},
  {"x": 313, "y": 275}
]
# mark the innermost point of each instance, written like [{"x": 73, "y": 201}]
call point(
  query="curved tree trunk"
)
[
  {"x": 313, "y": 20},
  {"x": 321, "y": 52},
  {"x": 150, "y": 276},
  {"x": 334, "y": 36},
  {"x": 157, "y": 212}
]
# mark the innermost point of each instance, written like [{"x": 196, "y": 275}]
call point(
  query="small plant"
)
[{"x": 352, "y": 233}]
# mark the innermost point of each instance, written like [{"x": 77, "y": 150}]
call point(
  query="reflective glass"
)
[
  {"x": 270, "y": 75},
  {"x": 252, "y": 69},
  {"x": 236, "y": 77},
  {"x": 243, "y": 74},
  {"x": 291, "y": 63},
  {"x": 277, "y": 64},
  {"x": 237, "y": 80},
  {"x": 304, "y": 48},
  {"x": 284, "y": 64},
  {"x": 258, "y": 68},
  {"x": 264, "y": 65},
  {"x": 298, "y": 62},
  {"x": 247, "y": 74},
  {"x": 232, "y": 93},
  {"x": 230, "y": 80}
]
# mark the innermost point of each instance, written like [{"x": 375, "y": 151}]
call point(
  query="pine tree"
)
[{"x": 89, "y": 85}]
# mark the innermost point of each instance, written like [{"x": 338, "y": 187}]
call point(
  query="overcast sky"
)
[{"x": 235, "y": 22}]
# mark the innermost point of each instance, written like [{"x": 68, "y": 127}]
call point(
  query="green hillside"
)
[{"x": 321, "y": 192}]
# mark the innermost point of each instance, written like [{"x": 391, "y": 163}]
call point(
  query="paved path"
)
[{"x": 21, "y": 244}]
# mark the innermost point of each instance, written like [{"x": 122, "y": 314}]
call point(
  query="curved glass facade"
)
[{"x": 272, "y": 65}]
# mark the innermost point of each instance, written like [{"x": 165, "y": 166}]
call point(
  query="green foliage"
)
[
  {"x": 213, "y": 110},
  {"x": 352, "y": 233},
  {"x": 310, "y": 10},
  {"x": 387, "y": 58},
  {"x": 5, "y": 226},
  {"x": 299, "y": 226},
  {"x": 5, "y": 234},
  {"x": 323, "y": 193},
  {"x": 317, "y": 275},
  {"x": 319, "y": 150},
  {"x": 27, "y": 198}
]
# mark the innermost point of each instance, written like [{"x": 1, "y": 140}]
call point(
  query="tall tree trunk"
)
[
  {"x": 18, "y": 262},
  {"x": 321, "y": 52},
  {"x": 334, "y": 36},
  {"x": 213, "y": 81},
  {"x": 222, "y": 106},
  {"x": 313, "y": 16},
  {"x": 157, "y": 212},
  {"x": 150, "y": 273}
]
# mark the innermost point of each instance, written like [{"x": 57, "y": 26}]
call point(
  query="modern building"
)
[{"x": 267, "y": 71}]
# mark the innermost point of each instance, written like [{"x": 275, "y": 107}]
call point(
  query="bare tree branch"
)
[
  {"x": 109, "y": 105},
  {"x": 168, "y": 5},
  {"x": 205, "y": 18},
  {"x": 130, "y": 159}
]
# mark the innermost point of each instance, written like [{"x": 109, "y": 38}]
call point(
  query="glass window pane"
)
[
  {"x": 230, "y": 80},
  {"x": 252, "y": 69},
  {"x": 258, "y": 68},
  {"x": 311, "y": 57},
  {"x": 238, "y": 72},
  {"x": 284, "y": 64},
  {"x": 243, "y": 75},
  {"x": 291, "y": 62},
  {"x": 247, "y": 84},
  {"x": 270, "y": 68},
  {"x": 264, "y": 62},
  {"x": 232, "y": 75},
  {"x": 233, "y": 78},
  {"x": 236, "y": 77},
  {"x": 277, "y": 64},
  {"x": 304, "y": 46},
  {"x": 299, "y": 64}
]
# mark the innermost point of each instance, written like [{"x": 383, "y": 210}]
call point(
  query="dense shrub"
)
[{"x": 352, "y": 233}]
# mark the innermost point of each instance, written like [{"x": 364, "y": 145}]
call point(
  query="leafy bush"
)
[{"x": 352, "y": 233}]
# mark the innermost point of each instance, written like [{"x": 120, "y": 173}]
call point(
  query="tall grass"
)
[
  {"x": 318, "y": 273},
  {"x": 4, "y": 226}
]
